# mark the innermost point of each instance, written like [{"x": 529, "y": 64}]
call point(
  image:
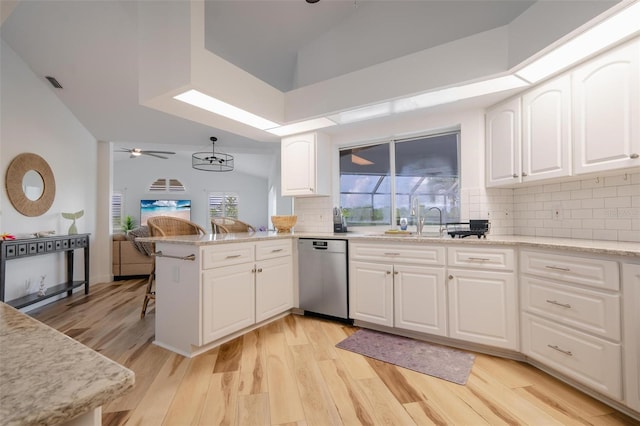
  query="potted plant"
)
[{"x": 128, "y": 224}]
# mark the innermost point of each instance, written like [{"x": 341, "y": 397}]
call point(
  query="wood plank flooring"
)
[{"x": 290, "y": 373}]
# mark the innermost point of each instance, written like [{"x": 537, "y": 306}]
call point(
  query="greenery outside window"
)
[
  {"x": 379, "y": 184},
  {"x": 223, "y": 204}
]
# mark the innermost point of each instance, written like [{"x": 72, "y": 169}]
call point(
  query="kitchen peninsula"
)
[
  {"x": 558, "y": 304},
  {"x": 47, "y": 378}
]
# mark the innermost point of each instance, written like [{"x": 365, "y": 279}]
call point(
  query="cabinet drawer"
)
[
  {"x": 578, "y": 270},
  {"x": 227, "y": 254},
  {"x": 272, "y": 249},
  {"x": 398, "y": 253},
  {"x": 587, "y": 359},
  {"x": 589, "y": 310},
  {"x": 500, "y": 259}
]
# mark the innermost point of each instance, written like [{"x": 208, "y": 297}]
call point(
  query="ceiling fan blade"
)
[
  {"x": 153, "y": 155},
  {"x": 157, "y": 152}
]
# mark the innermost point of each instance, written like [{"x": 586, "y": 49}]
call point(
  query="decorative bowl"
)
[{"x": 284, "y": 223}]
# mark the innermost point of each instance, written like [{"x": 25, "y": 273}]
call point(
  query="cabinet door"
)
[
  {"x": 503, "y": 141},
  {"x": 228, "y": 301},
  {"x": 274, "y": 287},
  {"x": 631, "y": 289},
  {"x": 483, "y": 307},
  {"x": 606, "y": 129},
  {"x": 371, "y": 292},
  {"x": 420, "y": 300},
  {"x": 545, "y": 131},
  {"x": 299, "y": 164}
]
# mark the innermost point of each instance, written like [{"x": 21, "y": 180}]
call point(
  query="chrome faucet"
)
[
  {"x": 440, "y": 228},
  {"x": 415, "y": 211}
]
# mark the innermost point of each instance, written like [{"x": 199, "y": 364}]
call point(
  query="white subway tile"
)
[
  {"x": 582, "y": 194},
  {"x": 561, "y": 195},
  {"x": 593, "y": 223},
  {"x": 582, "y": 214},
  {"x": 570, "y": 186},
  {"x": 621, "y": 224},
  {"x": 603, "y": 193},
  {"x": 605, "y": 213},
  {"x": 585, "y": 234},
  {"x": 628, "y": 190},
  {"x": 571, "y": 204},
  {"x": 596, "y": 182},
  {"x": 544, "y": 232},
  {"x": 552, "y": 188},
  {"x": 633, "y": 236},
  {"x": 562, "y": 233},
  {"x": 594, "y": 203},
  {"x": 609, "y": 235},
  {"x": 545, "y": 196},
  {"x": 617, "y": 202},
  {"x": 618, "y": 180}
]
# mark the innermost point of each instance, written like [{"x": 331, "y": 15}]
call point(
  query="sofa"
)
[{"x": 127, "y": 260}]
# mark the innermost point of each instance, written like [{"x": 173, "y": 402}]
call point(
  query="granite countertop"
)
[
  {"x": 617, "y": 248},
  {"x": 48, "y": 378}
]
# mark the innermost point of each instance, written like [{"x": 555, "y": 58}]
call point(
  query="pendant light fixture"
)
[{"x": 212, "y": 161}]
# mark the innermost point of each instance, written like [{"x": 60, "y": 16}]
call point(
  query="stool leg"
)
[{"x": 149, "y": 292}]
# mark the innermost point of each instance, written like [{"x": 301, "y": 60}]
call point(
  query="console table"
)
[{"x": 17, "y": 249}]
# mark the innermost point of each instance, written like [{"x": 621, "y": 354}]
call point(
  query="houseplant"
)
[{"x": 128, "y": 224}]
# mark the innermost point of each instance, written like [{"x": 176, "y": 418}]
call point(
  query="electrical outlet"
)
[{"x": 556, "y": 214}]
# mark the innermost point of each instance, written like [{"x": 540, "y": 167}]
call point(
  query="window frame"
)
[{"x": 391, "y": 143}]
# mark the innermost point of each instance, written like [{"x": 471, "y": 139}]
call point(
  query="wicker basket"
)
[{"x": 284, "y": 223}]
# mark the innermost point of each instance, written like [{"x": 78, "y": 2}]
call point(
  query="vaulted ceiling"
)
[{"x": 92, "y": 48}]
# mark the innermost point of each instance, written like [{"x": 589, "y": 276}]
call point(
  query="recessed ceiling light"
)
[
  {"x": 216, "y": 106},
  {"x": 614, "y": 29}
]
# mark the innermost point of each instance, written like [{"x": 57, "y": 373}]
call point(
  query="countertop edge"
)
[{"x": 615, "y": 248}]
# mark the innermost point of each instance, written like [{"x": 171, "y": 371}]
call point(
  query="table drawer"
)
[
  {"x": 591, "y": 272},
  {"x": 587, "y": 359},
  {"x": 500, "y": 259},
  {"x": 592, "y": 311},
  {"x": 272, "y": 249},
  {"x": 398, "y": 253},
  {"x": 227, "y": 254}
]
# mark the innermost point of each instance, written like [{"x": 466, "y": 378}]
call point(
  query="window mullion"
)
[{"x": 392, "y": 178}]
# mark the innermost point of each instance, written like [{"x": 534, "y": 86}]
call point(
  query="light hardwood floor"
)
[{"x": 290, "y": 373}]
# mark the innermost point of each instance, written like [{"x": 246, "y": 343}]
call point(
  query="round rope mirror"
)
[{"x": 18, "y": 182}]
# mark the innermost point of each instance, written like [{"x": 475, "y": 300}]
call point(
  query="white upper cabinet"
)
[
  {"x": 606, "y": 111},
  {"x": 306, "y": 165},
  {"x": 546, "y": 131},
  {"x": 503, "y": 140}
]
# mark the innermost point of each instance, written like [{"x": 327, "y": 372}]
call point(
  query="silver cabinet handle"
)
[
  {"x": 524, "y": 174},
  {"x": 276, "y": 250},
  {"x": 515, "y": 175},
  {"x": 232, "y": 256},
  {"x": 395, "y": 273},
  {"x": 392, "y": 254},
  {"x": 253, "y": 271},
  {"x": 564, "y": 305},
  {"x": 479, "y": 259},
  {"x": 259, "y": 269},
  {"x": 558, "y": 268},
  {"x": 388, "y": 272},
  {"x": 450, "y": 277},
  {"x": 634, "y": 156},
  {"x": 556, "y": 348}
]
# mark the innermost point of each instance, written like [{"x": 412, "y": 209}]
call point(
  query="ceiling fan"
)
[{"x": 137, "y": 152}]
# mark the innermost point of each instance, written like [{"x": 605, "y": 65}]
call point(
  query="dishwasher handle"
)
[{"x": 319, "y": 248}]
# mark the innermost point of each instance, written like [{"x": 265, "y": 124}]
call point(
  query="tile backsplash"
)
[{"x": 600, "y": 208}]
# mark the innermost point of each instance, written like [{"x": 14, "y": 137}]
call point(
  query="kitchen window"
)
[
  {"x": 223, "y": 204},
  {"x": 380, "y": 183}
]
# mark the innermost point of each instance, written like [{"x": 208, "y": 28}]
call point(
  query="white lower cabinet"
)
[
  {"x": 571, "y": 317},
  {"x": 483, "y": 307},
  {"x": 228, "y": 300},
  {"x": 583, "y": 357},
  {"x": 274, "y": 287},
  {"x": 405, "y": 288},
  {"x": 631, "y": 291},
  {"x": 238, "y": 296}
]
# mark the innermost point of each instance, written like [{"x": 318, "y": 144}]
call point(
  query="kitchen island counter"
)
[
  {"x": 615, "y": 248},
  {"x": 48, "y": 378}
]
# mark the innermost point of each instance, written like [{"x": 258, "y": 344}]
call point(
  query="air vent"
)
[{"x": 54, "y": 82}]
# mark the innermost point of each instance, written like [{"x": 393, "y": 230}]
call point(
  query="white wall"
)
[
  {"x": 132, "y": 177},
  {"x": 34, "y": 120}
]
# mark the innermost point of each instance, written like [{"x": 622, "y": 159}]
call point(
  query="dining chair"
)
[
  {"x": 230, "y": 224},
  {"x": 163, "y": 226}
]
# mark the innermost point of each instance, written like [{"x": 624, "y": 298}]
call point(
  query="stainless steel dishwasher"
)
[{"x": 322, "y": 275}]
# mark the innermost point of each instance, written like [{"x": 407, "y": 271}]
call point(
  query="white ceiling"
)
[{"x": 91, "y": 47}]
